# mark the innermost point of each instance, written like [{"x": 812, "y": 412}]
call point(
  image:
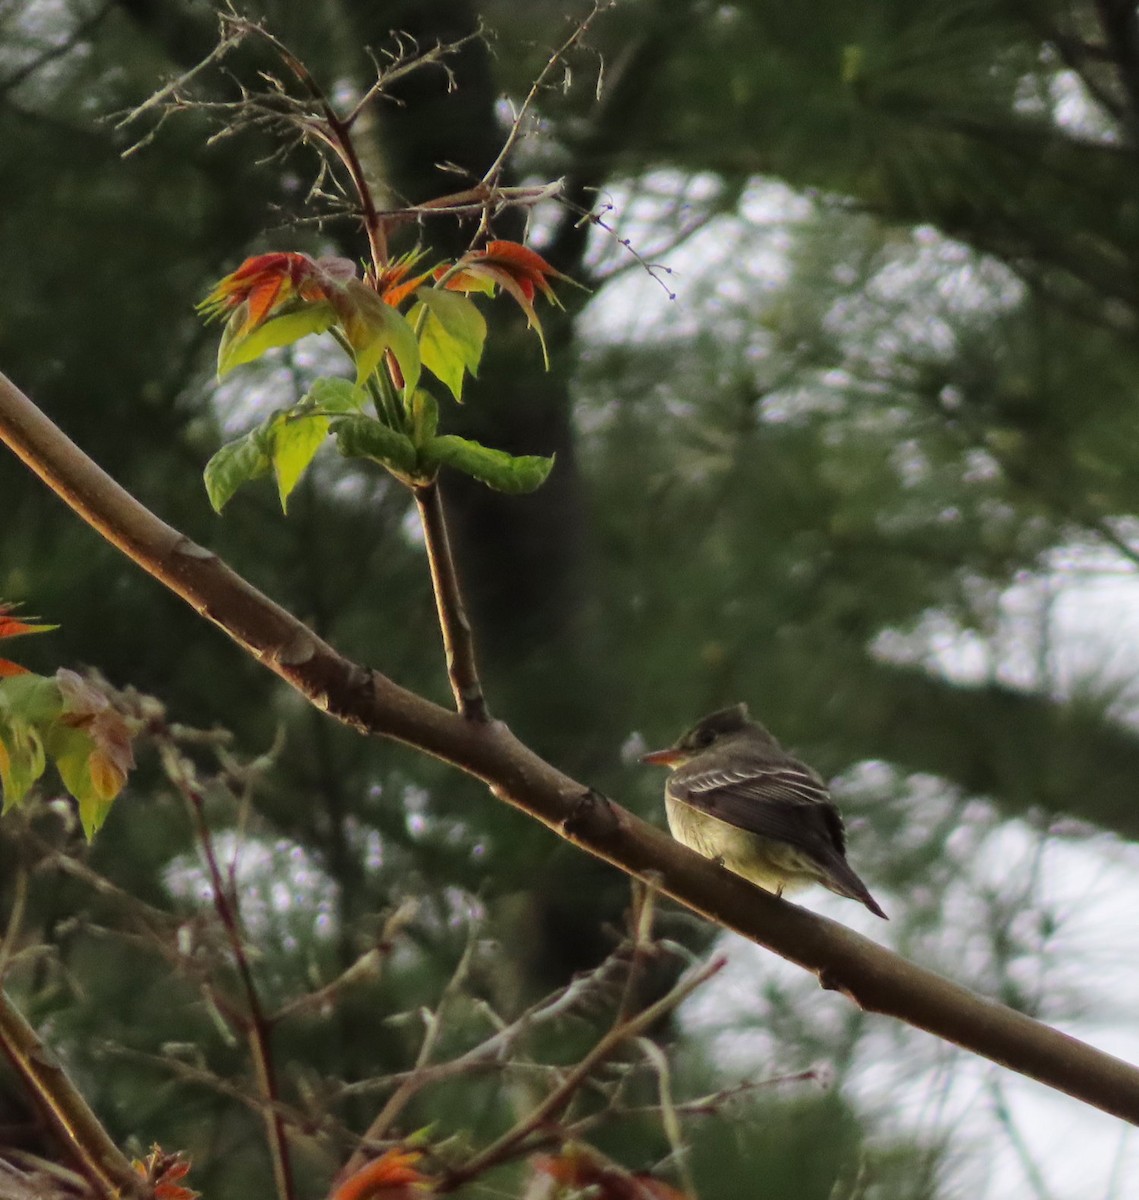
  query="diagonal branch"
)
[
  {"x": 873, "y": 977},
  {"x": 45, "y": 1080}
]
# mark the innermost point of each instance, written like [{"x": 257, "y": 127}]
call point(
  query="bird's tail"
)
[{"x": 844, "y": 882}]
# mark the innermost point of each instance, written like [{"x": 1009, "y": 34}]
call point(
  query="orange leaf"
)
[
  {"x": 162, "y": 1172},
  {"x": 578, "y": 1167},
  {"x": 266, "y": 282},
  {"x": 11, "y": 626},
  {"x": 518, "y": 270},
  {"x": 392, "y": 283},
  {"x": 392, "y": 1176}
]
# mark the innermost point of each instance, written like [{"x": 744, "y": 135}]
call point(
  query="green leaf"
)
[
  {"x": 335, "y": 396},
  {"x": 497, "y": 469},
  {"x": 451, "y": 336},
  {"x": 238, "y": 347},
  {"x": 75, "y": 756},
  {"x": 22, "y": 759},
  {"x": 295, "y": 441},
  {"x": 365, "y": 437},
  {"x": 30, "y": 697},
  {"x": 424, "y": 416},
  {"x": 236, "y": 463},
  {"x": 372, "y": 327}
]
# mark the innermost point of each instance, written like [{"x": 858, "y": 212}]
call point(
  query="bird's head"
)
[{"x": 713, "y": 730}]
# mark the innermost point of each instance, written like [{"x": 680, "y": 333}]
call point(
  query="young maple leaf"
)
[
  {"x": 392, "y": 1176},
  {"x": 392, "y": 283},
  {"x": 110, "y": 756},
  {"x": 11, "y": 627},
  {"x": 276, "y": 299},
  {"x": 262, "y": 285},
  {"x": 164, "y": 1173},
  {"x": 517, "y": 269}
]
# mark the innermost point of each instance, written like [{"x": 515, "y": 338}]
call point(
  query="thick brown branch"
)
[
  {"x": 873, "y": 977},
  {"x": 458, "y": 643},
  {"x": 49, "y": 1085}
]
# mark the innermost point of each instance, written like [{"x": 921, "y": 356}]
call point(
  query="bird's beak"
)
[{"x": 663, "y": 758}]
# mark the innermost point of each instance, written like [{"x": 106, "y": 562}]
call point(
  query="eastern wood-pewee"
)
[{"x": 735, "y": 795}]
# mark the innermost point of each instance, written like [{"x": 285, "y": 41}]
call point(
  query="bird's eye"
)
[{"x": 705, "y": 737}]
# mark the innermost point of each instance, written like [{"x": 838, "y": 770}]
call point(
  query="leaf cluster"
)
[{"x": 277, "y": 299}]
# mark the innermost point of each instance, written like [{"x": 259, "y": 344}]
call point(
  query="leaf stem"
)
[{"x": 458, "y": 642}]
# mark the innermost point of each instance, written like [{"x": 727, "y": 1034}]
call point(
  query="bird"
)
[{"x": 737, "y": 797}]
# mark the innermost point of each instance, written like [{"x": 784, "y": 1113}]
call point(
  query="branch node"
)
[
  {"x": 591, "y": 810},
  {"x": 190, "y": 549}
]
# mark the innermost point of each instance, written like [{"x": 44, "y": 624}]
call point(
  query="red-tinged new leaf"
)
[
  {"x": 452, "y": 332},
  {"x": 394, "y": 284},
  {"x": 578, "y": 1168},
  {"x": 266, "y": 282},
  {"x": 528, "y": 267},
  {"x": 164, "y": 1173},
  {"x": 392, "y": 1176},
  {"x": 11, "y": 627},
  {"x": 463, "y": 281},
  {"x": 91, "y": 747},
  {"x": 374, "y": 327},
  {"x": 273, "y": 300},
  {"x": 518, "y": 270}
]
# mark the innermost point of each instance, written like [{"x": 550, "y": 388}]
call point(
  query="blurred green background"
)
[{"x": 873, "y": 468}]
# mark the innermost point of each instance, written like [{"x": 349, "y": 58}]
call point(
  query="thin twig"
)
[
  {"x": 458, "y": 641},
  {"x": 15, "y": 918},
  {"x": 498, "y": 1047},
  {"x": 669, "y": 1116},
  {"x": 403, "y": 1094},
  {"x": 256, "y": 1026},
  {"x": 99, "y": 1159},
  {"x": 64, "y": 47},
  {"x": 641, "y": 920},
  {"x": 494, "y": 171},
  {"x": 508, "y": 1145}
]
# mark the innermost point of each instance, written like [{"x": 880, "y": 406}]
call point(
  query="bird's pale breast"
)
[{"x": 772, "y": 865}]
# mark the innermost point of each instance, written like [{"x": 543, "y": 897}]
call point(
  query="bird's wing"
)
[{"x": 782, "y": 800}]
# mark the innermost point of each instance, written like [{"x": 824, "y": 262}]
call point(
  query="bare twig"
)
[
  {"x": 15, "y": 918},
  {"x": 256, "y": 1025},
  {"x": 458, "y": 641},
  {"x": 494, "y": 171},
  {"x": 516, "y": 1138},
  {"x": 100, "y": 1160},
  {"x": 498, "y": 1047},
  {"x": 59, "y": 50}
]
